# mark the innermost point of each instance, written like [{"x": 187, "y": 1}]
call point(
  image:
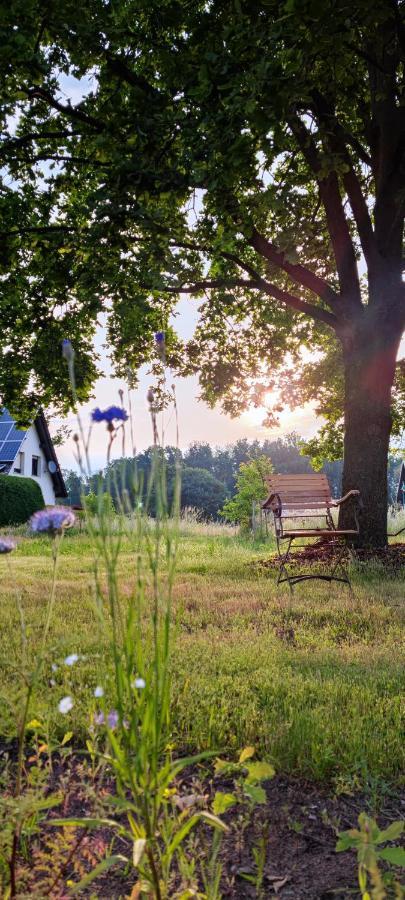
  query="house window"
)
[
  {"x": 19, "y": 468},
  {"x": 36, "y": 466}
]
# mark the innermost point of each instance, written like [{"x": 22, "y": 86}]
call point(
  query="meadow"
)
[{"x": 314, "y": 681}]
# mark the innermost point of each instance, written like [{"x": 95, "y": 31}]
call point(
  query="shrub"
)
[
  {"x": 99, "y": 504},
  {"x": 19, "y": 498},
  {"x": 202, "y": 491},
  {"x": 250, "y": 486}
]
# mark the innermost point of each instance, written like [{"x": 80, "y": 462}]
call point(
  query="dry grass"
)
[{"x": 315, "y": 681}]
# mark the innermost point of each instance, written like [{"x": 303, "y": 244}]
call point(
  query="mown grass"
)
[{"x": 315, "y": 681}]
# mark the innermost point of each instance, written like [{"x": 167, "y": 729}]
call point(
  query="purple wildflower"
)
[
  {"x": 67, "y": 350},
  {"x": 107, "y": 415},
  {"x": 7, "y": 545},
  {"x": 99, "y": 718},
  {"x": 54, "y": 519},
  {"x": 112, "y": 719}
]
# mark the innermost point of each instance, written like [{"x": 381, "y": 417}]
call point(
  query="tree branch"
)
[
  {"x": 356, "y": 145},
  {"x": 207, "y": 284},
  {"x": 36, "y": 229},
  {"x": 72, "y": 112},
  {"x": 42, "y": 157},
  {"x": 35, "y": 136},
  {"x": 119, "y": 67},
  {"x": 261, "y": 284},
  {"x": 300, "y": 274},
  {"x": 335, "y": 141},
  {"x": 342, "y": 244},
  {"x": 316, "y": 312}
]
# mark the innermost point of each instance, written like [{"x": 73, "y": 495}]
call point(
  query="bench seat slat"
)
[{"x": 318, "y": 532}]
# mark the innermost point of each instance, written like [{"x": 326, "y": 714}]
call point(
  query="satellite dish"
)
[{"x": 52, "y": 467}]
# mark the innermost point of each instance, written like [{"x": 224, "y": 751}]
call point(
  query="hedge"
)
[{"x": 19, "y": 498}]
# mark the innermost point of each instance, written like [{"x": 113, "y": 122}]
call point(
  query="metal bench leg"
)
[
  {"x": 340, "y": 567},
  {"x": 283, "y": 557}
]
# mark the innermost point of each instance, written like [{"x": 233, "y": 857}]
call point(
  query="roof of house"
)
[{"x": 11, "y": 439}]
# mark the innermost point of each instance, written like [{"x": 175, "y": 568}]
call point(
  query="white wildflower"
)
[
  {"x": 65, "y": 705},
  {"x": 71, "y": 660}
]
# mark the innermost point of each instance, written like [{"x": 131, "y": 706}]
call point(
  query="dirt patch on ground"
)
[
  {"x": 392, "y": 558},
  {"x": 298, "y": 823}
]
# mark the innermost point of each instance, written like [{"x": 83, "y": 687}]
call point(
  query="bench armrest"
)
[
  {"x": 273, "y": 502},
  {"x": 347, "y": 496}
]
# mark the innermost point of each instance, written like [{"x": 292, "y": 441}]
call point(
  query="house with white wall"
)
[{"x": 31, "y": 453}]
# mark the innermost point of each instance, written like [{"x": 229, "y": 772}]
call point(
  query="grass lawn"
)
[{"x": 315, "y": 682}]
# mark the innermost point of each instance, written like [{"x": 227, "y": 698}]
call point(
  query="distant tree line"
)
[{"x": 208, "y": 474}]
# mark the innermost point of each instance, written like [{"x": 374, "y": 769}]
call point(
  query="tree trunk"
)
[{"x": 369, "y": 375}]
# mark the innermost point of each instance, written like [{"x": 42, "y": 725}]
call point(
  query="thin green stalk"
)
[
  {"x": 17, "y": 791},
  {"x": 55, "y": 556},
  {"x": 20, "y": 612}
]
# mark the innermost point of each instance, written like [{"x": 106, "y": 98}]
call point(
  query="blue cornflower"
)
[
  {"x": 67, "y": 349},
  {"x": 53, "y": 520},
  {"x": 160, "y": 344},
  {"x": 108, "y": 415}
]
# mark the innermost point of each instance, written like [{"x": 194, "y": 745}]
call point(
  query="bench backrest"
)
[{"x": 299, "y": 492}]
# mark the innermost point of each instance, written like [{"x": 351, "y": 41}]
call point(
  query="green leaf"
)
[
  {"x": 85, "y": 823},
  {"x": 139, "y": 846},
  {"x": 213, "y": 820},
  {"x": 247, "y": 753},
  {"x": 66, "y": 737},
  {"x": 345, "y": 842},
  {"x": 256, "y": 793},
  {"x": 394, "y": 855},
  {"x": 180, "y": 764},
  {"x": 220, "y": 764},
  {"x": 222, "y": 802},
  {"x": 392, "y": 833},
  {"x": 188, "y": 825},
  {"x": 49, "y": 802},
  {"x": 98, "y": 870},
  {"x": 181, "y": 834},
  {"x": 260, "y": 771}
]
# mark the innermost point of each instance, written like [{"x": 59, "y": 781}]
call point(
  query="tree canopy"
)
[{"x": 223, "y": 150}]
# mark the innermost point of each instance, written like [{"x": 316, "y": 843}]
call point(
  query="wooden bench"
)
[{"x": 302, "y": 497}]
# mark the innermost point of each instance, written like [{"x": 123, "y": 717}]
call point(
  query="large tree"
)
[{"x": 247, "y": 152}]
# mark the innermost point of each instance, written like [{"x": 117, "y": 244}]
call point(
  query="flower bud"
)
[{"x": 67, "y": 350}]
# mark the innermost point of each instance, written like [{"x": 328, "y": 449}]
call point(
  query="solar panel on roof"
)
[
  {"x": 16, "y": 434},
  {"x": 5, "y": 430},
  {"x": 9, "y": 450},
  {"x": 11, "y": 437},
  {"x": 5, "y": 416}
]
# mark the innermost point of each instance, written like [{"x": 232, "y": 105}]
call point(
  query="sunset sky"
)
[{"x": 196, "y": 420}]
